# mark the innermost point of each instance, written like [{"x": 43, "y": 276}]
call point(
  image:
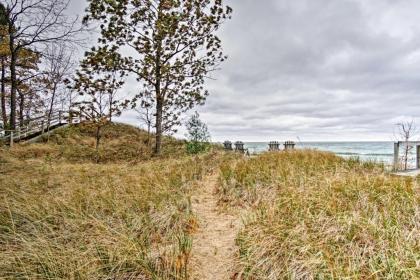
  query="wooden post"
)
[
  {"x": 418, "y": 156},
  {"x": 396, "y": 155},
  {"x": 59, "y": 116}
]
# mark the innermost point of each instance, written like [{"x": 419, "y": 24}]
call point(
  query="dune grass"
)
[
  {"x": 317, "y": 216},
  {"x": 119, "y": 143},
  {"x": 312, "y": 215},
  {"x": 61, "y": 220}
]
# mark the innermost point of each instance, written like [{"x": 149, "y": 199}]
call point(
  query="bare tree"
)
[
  {"x": 35, "y": 104},
  {"x": 146, "y": 115},
  {"x": 406, "y": 132},
  {"x": 27, "y": 69},
  {"x": 34, "y": 24},
  {"x": 98, "y": 92},
  {"x": 59, "y": 63}
]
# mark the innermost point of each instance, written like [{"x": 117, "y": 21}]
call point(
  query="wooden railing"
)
[{"x": 36, "y": 126}]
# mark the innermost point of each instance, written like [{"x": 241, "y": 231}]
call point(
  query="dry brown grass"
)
[
  {"x": 317, "y": 216},
  {"x": 66, "y": 220},
  {"x": 312, "y": 215},
  {"x": 119, "y": 143}
]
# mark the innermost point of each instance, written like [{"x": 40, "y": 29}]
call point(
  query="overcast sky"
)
[{"x": 314, "y": 69}]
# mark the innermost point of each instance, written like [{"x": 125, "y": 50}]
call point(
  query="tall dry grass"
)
[
  {"x": 119, "y": 143},
  {"x": 317, "y": 216},
  {"x": 87, "y": 221}
]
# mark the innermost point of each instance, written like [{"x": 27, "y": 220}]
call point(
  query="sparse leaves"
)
[{"x": 98, "y": 88}]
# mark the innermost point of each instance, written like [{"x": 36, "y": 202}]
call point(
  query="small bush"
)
[
  {"x": 194, "y": 147},
  {"x": 198, "y": 135}
]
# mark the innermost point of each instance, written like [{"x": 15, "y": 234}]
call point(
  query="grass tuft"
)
[
  {"x": 62, "y": 220},
  {"x": 317, "y": 216}
]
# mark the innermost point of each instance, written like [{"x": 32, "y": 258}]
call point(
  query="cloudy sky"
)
[{"x": 314, "y": 70}]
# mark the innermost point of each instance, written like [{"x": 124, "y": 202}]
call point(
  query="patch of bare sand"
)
[{"x": 214, "y": 249}]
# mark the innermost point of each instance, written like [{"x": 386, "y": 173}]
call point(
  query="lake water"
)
[{"x": 375, "y": 151}]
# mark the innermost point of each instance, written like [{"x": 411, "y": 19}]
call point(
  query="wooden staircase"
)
[{"x": 35, "y": 127}]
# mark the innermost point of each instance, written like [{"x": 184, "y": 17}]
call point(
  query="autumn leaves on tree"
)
[
  {"x": 168, "y": 46},
  {"x": 28, "y": 29}
]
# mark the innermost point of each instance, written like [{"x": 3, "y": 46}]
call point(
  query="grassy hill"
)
[
  {"x": 119, "y": 143},
  {"x": 64, "y": 217}
]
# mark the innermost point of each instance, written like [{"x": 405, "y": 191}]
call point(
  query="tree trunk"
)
[
  {"x": 3, "y": 93},
  {"x": 98, "y": 139},
  {"x": 111, "y": 100},
  {"x": 13, "y": 58},
  {"x": 29, "y": 107},
  {"x": 50, "y": 111},
  {"x": 21, "y": 108},
  {"x": 159, "y": 99},
  {"x": 158, "y": 93},
  {"x": 406, "y": 155},
  {"x": 159, "y": 114},
  {"x": 148, "y": 133}
]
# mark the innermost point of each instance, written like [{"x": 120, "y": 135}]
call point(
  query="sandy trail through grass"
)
[{"x": 214, "y": 249}]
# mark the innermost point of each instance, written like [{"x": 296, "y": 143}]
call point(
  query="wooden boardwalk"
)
[
  {"x": 407, "y": 173},
  {"x": 36, "y": 126}
]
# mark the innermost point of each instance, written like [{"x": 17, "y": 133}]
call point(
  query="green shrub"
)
[
  {"x": 194, "y": 147},
  {"x": 198, "y": 135}
]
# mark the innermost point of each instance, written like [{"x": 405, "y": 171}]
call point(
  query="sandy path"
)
[{"x": 214, "y": 249}]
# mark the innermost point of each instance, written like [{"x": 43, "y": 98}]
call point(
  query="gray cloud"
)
[
  {"x": 315, "y": 69},
  {"x": 320, "y": 70}
]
